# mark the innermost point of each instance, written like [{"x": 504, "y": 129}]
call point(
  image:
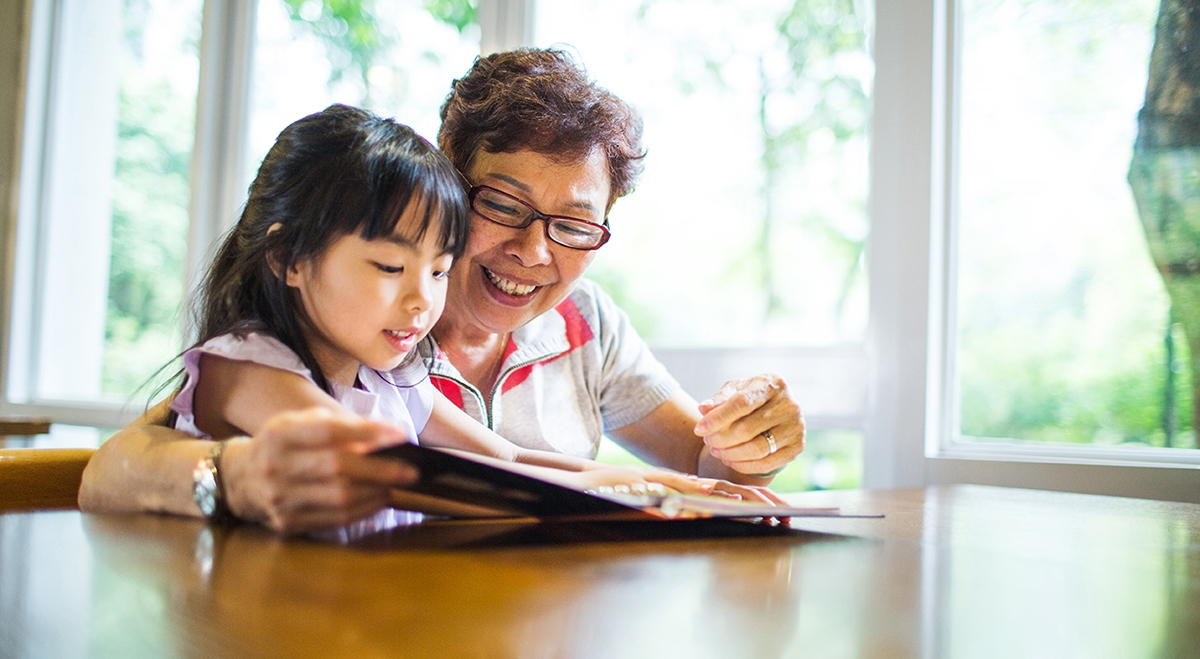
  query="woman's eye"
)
[
  {"x": 502, "y": 209},
  {"x": 441, "y": 274},
  {"x": 390, "y": 269}
]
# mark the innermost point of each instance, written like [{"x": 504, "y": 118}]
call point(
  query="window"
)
[
  {"x": 1065, "y": 328},
  {"x": 968, "y": 243},
  {"x": 103, "y": 215},
  {"x": 791, "y": 90},
  {"x": 394, "y": 57},
  {"x": 118, "y": 211},
  {"x": 742, "y": 249}
]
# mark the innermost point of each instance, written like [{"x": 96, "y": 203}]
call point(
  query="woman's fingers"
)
[
  {"x": 315, "y": 466},
  {"x": 322, "y": 507},
  {"x": 307, "y": 468},
  {"x": 754, "y": 425},
  {"x": 320, "y": 428}
]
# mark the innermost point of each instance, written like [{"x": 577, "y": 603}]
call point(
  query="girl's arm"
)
[{"x": 450, "y": 427}]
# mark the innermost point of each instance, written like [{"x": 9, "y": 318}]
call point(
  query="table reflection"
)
[{"x": 950, "y": 572}]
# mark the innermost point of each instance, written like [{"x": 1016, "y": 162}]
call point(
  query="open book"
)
[{"x": 478, "y": 486}]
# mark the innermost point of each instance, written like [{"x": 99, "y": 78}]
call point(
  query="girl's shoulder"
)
[{"x": 252, "y": 347}]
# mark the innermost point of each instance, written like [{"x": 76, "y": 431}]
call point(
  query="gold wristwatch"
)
[{"x": 207, "y": 489}]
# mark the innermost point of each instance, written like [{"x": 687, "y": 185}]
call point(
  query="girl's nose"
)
[{"x": 419, "y": 294}]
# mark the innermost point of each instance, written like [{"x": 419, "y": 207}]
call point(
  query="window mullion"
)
[
  {"x": 505, "y": 24},
  {"x": 218, "y": 176},
  {"x": 901, "y": 208}
]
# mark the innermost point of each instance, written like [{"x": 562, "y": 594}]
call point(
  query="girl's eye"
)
[
  {"x": 441, "y": 274},
  {"x": 391, "y": 270}
]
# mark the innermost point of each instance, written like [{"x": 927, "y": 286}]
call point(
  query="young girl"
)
[{"x": 321, "y": 296}]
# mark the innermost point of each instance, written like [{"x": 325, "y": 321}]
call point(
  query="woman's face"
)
[{"x": 508, "y": 277}]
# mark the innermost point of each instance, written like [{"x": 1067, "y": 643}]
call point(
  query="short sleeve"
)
[
  {"x": 257, "y": 348},
  {"x": 633, "y": 382}
]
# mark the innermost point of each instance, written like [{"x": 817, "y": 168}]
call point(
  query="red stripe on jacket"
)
[{"x": 578, "y": 333}]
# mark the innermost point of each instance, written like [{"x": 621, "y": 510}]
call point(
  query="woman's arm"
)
[
  {"x": 302, "y": 467},
  {"x": 144, "y": 467}
]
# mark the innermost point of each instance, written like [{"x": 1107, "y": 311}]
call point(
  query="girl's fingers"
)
[
  {"x": 728, "y": 389},
  {"x": 751, "y": 493}
]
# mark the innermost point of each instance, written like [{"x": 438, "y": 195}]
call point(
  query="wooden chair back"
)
[{"x": 41, "y": 478}]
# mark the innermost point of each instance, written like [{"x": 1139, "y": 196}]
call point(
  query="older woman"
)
[
  {"x": 526, "y": 346},
  {"x": 529, "y": 347}
]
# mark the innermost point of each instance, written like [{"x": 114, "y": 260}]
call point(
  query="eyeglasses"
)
[{"x": 505, "y": 209}]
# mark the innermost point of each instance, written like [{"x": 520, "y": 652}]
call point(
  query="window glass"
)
[
  {"x": 1066, "y": 332},
  {"x": 394, "y": 57},
  {"x": 158, "y": 73},
  {"x": 749, "y": 224},
  {"x": 748, "y": 227}
]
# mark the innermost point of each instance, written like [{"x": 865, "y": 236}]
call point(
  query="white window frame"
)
[{"x": 912, "y": 430}]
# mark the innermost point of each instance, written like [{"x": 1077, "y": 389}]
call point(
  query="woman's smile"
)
[{"x": 508, "y": 286}]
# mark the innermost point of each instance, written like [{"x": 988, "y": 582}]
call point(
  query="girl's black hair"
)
[{"x": 340, "y": 171}]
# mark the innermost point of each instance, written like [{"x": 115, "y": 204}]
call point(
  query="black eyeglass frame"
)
[{"x": 535, "y": 214}]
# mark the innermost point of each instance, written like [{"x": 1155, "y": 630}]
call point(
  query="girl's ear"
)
[
  {"x": 295, "y": 276},
  {"x": 272, "y": 258}
]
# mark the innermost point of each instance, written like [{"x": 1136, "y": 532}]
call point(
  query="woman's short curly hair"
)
[{"x": 541, "y": 100}]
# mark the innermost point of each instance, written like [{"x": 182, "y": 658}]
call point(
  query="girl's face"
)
[{"x": 370, "y": 301}]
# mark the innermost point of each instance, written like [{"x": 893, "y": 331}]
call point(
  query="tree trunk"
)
[{"x": 1165, "y": 172}]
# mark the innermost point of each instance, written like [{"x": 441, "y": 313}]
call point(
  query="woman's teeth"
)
[
  {"x": 510, "y": 287},
  {"x": 398, "y": 335}
]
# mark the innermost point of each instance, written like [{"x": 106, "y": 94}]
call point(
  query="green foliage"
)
[
  {"x": 355, "y": 39},
  {"x": 458, "y": 13},
  {"x": 348, "y": 29},
  {"x": 1032, "y": 382},
  {"x": 813, "y": 74}
]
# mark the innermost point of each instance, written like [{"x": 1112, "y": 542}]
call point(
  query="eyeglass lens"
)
[{"x": 505, "y": 209}]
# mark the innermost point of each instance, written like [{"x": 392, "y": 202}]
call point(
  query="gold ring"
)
[{"x": 771, "y": 446}]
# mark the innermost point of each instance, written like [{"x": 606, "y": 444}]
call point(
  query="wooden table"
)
[{"x": 961, "y": 571}]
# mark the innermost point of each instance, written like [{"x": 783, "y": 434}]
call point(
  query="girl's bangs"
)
[{"x": 441, "y": 205}]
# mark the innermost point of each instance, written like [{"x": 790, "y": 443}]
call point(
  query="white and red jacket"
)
[{"x": 568, "y": 376}]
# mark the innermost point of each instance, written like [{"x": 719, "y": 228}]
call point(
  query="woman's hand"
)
[
  {"x": 308, "y": 469},
  {"x": 753, "y": 425}
]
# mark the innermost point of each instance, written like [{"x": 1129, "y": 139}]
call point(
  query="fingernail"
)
[{"x": 707, "y": 403}]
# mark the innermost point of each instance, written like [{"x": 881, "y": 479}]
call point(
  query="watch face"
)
[{"x": 204, "y": 490}]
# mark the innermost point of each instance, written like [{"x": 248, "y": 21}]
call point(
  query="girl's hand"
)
[
  {"x": 638, "y": 478},
  {"x": 307, "y": 470},
  {"x": 753, "y": 425}
]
